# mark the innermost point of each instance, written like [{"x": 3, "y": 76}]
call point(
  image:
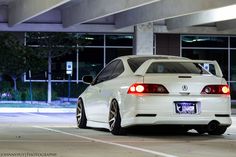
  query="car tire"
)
[
  {"x": 115, "y": 119},
  {"x": 80, "y": 115},
  {"x": 220, "y": 130}
]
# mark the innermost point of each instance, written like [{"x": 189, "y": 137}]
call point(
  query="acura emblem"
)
[{"x": 185, "y": 87}]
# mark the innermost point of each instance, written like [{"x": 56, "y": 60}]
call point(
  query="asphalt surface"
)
[{"x": 56, "y": 135}]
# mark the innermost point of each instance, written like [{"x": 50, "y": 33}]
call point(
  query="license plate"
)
[{"x": 186, "y": 107}]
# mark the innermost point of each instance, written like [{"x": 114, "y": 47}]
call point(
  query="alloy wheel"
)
[
  {"x": 79, "y": 112},
  {"x": 113, "y": 114}
]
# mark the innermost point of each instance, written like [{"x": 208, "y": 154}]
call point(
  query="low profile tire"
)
[
  {"x": 220, "y": 130},
  {"x": 80, "y": 115},
  {"x": 115, "y": 119}
]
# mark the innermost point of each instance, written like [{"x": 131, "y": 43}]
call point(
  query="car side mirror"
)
[{"x": 88, "y": 79}]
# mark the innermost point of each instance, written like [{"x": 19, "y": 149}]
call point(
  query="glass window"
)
[
  {"x": 204, "y": 41},
  {"x": 209, "y": 67},
  {"x": 61, "y": 89},
  {"x": 119, "y": 70},
  {"x": 233, "y": 42},
  {"x": 176, "y": 67},
  {"x": 119, "y": 40},
  {"x": 92, "y": 40},
  {"x": 135, "y": 63},
  {"x": 233, "y": 90},
  {"x": 107, "y": 72},
  {"x": 233, "y": 65},
  {"x": 221, "y": 56},
  {"x": 90, "y": 61},
  {"x": 51, "y": 39},
  {"x": 112, "y": 53},
  {"x": 59, "y": 66}
]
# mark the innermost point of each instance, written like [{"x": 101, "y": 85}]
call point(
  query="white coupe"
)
[{"x": 156, "y": 90}]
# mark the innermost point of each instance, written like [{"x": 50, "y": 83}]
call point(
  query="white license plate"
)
[{"x": 186, "y": 107}]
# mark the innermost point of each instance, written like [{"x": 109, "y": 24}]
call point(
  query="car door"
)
[
  {"x": 109, "y": 89},
  {"x": 96, "y": 99}
]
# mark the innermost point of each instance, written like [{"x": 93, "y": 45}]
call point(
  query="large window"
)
[
  {"x": 112, "y": 53},
  {"x": 233, "y": 90},
  {"x": 90, "y": 61},
  {"x": 204, "y": 41},
  {"x": 119, "y": 40},
  {"x": 96, "y": 51},
  {"x": 221, "y": 56},
  {"x": 93, "y": 40},
  {"x": 219, "y": 48}
]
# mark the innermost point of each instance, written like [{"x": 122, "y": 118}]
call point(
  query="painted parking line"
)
[
  {"x": 35, "y": 114},
  {"x": 109, "y": 143}
]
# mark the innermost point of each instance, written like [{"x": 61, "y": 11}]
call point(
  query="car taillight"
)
[
  {"x": 139, "y": 88},
  {"x": 216, "y": 89}
]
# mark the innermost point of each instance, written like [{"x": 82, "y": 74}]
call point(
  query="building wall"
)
[{"x": 168, "y": 44}]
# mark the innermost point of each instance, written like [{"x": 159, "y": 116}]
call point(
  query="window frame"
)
[{"x": 116, "y": 62}]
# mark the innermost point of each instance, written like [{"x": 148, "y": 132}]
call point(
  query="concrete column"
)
[{"x": 143, "y": 39}]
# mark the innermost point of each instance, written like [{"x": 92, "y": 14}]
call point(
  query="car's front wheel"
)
[
  {"x": 80, "y": 115},
  {"x": 115, "y": 119}
]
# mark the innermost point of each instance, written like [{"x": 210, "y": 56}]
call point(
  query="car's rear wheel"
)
[
  {"x": 115, "y": 119},
  {"x": 219, "y": 130},
  {"x": 80, "y": 115}
]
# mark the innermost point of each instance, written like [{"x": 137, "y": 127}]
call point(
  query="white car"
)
[{"x": 156, "y": 90}]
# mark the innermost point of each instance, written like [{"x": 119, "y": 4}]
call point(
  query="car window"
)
[
  {"x": 176, "y": 67},
  {"x": 209, "y": 67},
  {"x": 107, "y": 72},
  {"x": 135, "y": 63},
  {"x": 119, "y": 70}
]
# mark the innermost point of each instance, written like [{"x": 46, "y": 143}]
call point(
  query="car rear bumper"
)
[
  {"x": 158, "y": 120},
  {"x": 160, "y": 110}
]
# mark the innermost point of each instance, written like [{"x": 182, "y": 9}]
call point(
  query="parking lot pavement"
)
[{"x": 56, "y": 135}]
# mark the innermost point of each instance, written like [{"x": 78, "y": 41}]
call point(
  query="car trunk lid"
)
[{"x": 181, "y": 77}]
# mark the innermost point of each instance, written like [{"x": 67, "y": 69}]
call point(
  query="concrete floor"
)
[{"x": 55, "y": 135}]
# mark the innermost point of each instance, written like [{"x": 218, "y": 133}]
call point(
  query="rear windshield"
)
[
  {"x": 176, "y": 67},
  {"x": 135, "y": 63}
]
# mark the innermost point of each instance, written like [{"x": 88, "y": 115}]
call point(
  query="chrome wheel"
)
[{"x": 115, "y": 119}]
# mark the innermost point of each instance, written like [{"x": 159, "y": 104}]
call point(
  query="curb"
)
[{"x": 37, "y": 110}]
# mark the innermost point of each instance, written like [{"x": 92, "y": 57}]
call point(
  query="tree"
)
[
  {"x": 52, "y": 45},
  {"x": 16, "y": 59}
]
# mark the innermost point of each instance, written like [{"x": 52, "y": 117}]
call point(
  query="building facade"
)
[{"x": 102, "y": 48}]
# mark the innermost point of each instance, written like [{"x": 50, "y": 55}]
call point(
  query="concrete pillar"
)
[{"x": 143, "y": 39}]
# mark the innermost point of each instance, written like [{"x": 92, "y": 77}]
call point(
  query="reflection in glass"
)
[
  {"x": 119, "y": 40},
  {"x": 204, "y": 41},
  {"x": 93, "y": 40}
]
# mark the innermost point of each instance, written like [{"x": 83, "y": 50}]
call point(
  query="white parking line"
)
[
  {"x": 38, "y": 115},
  {"x": 110, "y": 143}
]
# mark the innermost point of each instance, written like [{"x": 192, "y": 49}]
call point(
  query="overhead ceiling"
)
[{"x": 173, "y": 16}]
